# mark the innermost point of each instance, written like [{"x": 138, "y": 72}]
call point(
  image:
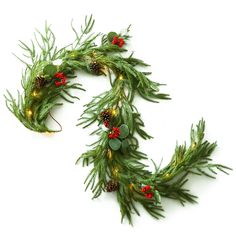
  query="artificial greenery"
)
[{"x": 117, "y": 164}]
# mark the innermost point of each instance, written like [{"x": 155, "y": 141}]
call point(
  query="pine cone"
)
[
  {"x": 112, "y": 186},
  {"x": 105, "y": 115},
  {"x": 96, "y": 68},
  {"x": 39, "y": 82}
]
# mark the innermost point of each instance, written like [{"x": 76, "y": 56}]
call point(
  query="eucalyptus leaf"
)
[
  {"x": 111, "y": 36},
  {"x": 124, "y": 145},
  {"x": 115, "y": 144},
  {"x": 124, "y": 131},
  {"x": 50, "y": 70},
  {"x": 157, "y": 197}
]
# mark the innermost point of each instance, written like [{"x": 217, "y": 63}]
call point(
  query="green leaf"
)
[
  {"x": 50, "y": 70},
  {"x": 157, "y": 197},
  {"x": 115, "y": 144},
  {"x": 124, "y": 131},
  {"x": 124, "y": 145},
  {"x": 111, "y": 36}
]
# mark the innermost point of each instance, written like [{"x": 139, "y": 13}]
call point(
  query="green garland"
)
[{"x": 116, "y": 161}]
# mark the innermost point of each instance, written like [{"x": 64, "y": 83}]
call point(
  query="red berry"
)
[
  {"x": 106, "y": 123},
  {"x": 118, "y": 41},
  {"x": 143, "y": 189},
  {"x": 62, "y": 79},
  {"x": 115, "y": 40},
  {"x": 59, "y": 75},
  {"x": 116, "y": 130},
  {"x": 57, "y": 83},
  {"x": 146, "y": 188},
  {"x": 121, "y": 42},
  {"x": 111, "y": 136},
  {"x": 149, "y": 195},
  {"x": 115, "y": 133}
]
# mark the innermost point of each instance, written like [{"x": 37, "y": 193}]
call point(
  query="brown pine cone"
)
[
  {"x": 112, "y": 186},
  {"x": 96, "y": 68},
  {"x": 40, "y": 82},
  {"x": 105, "y": 115}
]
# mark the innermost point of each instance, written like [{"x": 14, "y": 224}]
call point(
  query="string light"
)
[
  {"x": 167, "y": 175},
  {"x": 74, "y": 55},
  {"x": 29, "y": 113},
  {"x": 48, "y": 133},
  {"x": 193, "y": 146},
  {"x": 35, "y": 94},
  {"x": 120, "y": 77},
  {"x": 115, "y": 171},
  {"x": 114, "y": 112}
]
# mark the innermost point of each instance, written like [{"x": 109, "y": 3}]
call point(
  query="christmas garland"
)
[{"x": 115, "y": 158}]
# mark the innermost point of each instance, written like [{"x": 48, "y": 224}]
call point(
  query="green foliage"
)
[{"x": 166, "y": 182}]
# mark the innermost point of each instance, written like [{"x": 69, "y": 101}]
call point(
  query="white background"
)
[{"x": 191, "y": 46}]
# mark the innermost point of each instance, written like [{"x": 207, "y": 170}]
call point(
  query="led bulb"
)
[
  {"x": 114, "y": 112},
  {"x": 34, "y": 93},
  {"x": 115, "y": 171},
  {"x": 48, "y": 133},
  {"x": 29, "y": 113},
  {"x": 120, "y": 77}
]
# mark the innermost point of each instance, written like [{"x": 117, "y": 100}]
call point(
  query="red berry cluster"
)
[
  {"x": 118, "y": 41},
  {"x": 147, "y": 190},
  {"x": 61, "y": 79},
  {"x": 115, "y": 133}
]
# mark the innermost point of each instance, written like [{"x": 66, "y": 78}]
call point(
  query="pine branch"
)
[{"x": 37, "y": 101}]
